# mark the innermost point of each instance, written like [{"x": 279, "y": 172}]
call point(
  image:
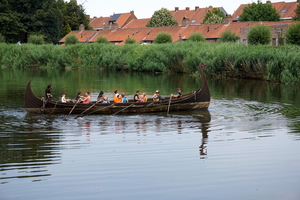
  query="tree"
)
[
  {"x": 71, "y": 39},
  {"x": 10, "y": 24},
  {"x": 293, "y": 34},
  {"x": 102, "y": 40},
  {"x": 162, "y": 17},
  {"x": 2, "y": 38},
  {"x": 36, "y": 39},
  {"x": 74, "y": 15},
  {"x": 259, "y": 12},
  {"x": 130, "y": 40},
  {"x": 163, "y": 37},
  {"x": 228, "y": 36},
  {"x": 297, "y": 12},
  {"x": 259, "y": 35},
  {"x": 196, "y": 37},
  {"x": 19, "y": 19},
  {"x": 214, "y": 16}
]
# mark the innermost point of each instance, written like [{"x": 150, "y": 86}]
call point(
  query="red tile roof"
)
[
  {"x": 148, "y": 34},
  {"x": 196, "y": 16},
  {"x": 137, "y": 23},
  {"x": 83, "y": 36},
  {"x": 101, "y": 22},
  {"x": 285, "y": 10}
]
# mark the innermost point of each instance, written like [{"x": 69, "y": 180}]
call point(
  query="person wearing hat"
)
[{"x": 156, "y": 96}]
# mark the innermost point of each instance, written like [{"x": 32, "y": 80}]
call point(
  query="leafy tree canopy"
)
[
  {"x": 293, "y": 34},
  {"x": 71, "y": 39},
  {"x": 162, "y": 17},
  {"x": 74, "y": 15},
  {"x": 297, "y": 12},
  {"x": 214, "y": 16},
  {"x": 130, "y": 40},
  {"x": 163, "y": 37},
  {"x": 51, "y": 18},
  {"x": 228, "y": 36},
  {"x": 259, "y": 35},
  {"x": 196, "y": 37},
  {"x": 102, "y": 40},
  {"x": 259, "y": 12}
]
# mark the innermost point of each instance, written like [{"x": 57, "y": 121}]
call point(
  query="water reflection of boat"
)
[{"x": 199, "y": 99}]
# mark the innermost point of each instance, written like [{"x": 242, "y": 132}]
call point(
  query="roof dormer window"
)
[{"x": 283, "y": 11}]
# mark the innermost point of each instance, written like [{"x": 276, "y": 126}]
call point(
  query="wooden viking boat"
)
[{"x": 199, "y": 99}]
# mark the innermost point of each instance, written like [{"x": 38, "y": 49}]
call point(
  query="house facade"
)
[{"x": 118, "y": 27}]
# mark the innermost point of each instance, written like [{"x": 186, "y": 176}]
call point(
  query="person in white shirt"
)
[{"x": 63, "y": 98}]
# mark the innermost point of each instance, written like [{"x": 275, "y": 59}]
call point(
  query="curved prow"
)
[
  {"x": 204, "y": 89},
  {"x": 30, "y": 98}
]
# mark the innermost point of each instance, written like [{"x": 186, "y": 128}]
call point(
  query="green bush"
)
[
  {"x": 71, "y": 39},
  {"x": 162, "y": 38},
  {"x": 2, "y": 38},
  {"x": 130, "y": 40},
  {"x": 196, "y": 37},
  {"x": 293, "y": 34},
  {"x": 102, "y": 40},
  {"x": 228, "y": 36},
  {"x": 36, "y": 39},
  {"x": 259, "y": 35}
]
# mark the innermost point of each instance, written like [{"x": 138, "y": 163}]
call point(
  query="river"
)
[{"x": 246, "y": 146}]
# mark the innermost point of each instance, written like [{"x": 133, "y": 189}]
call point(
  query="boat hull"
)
[{"x": 197, "y": 100}]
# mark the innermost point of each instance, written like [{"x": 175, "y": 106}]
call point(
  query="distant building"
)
[
  {"x": 118, "y": 27},
  {"x": 286, "y": 10}
]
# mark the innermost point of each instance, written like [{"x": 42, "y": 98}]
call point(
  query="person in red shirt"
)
[{"x": 87, "y": 98}]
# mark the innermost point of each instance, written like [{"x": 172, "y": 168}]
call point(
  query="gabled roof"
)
[
  {"x": 137, "y": 23},
  {"x": 196, "y": 16},
  {"x": 99, "y": 22},
  {"x": 83, "y": 36},
  {"x": 285, "y": 10},
  {"x": 120, "y": 19}
]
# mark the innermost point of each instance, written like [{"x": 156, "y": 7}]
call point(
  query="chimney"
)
[
  {"x": 228, "y": 19},
  {"x": 132, "y": 12},
  {"x": 185, "y": 22},
  {"x": 180, "y": 36},
  {"x": 81, "y": 28},
  {"x": 187, "y": 8},
  {"x": 197, "y": 7},
  {"x": 176, "y": 9},
  {"x": 208, "y": 29}
]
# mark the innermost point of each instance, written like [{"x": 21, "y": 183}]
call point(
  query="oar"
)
[
  {"x": 94, "y": 111},
  {"x": 123, "y": 109},
  {"x": 74, "y": 106},
  {"x": 88, "y": 108},
  {"x": 169, "y": 104}
]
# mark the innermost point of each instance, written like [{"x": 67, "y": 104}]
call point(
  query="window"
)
[{"x": 283, "y": 11}]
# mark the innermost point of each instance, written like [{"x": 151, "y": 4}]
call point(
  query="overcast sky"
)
[{"x": 145, "y": 9}]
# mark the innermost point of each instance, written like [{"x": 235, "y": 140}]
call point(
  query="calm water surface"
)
[{"x": 246, "y": 146}]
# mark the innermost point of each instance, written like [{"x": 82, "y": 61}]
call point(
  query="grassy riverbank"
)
[{"x": 235, "y": 60}]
